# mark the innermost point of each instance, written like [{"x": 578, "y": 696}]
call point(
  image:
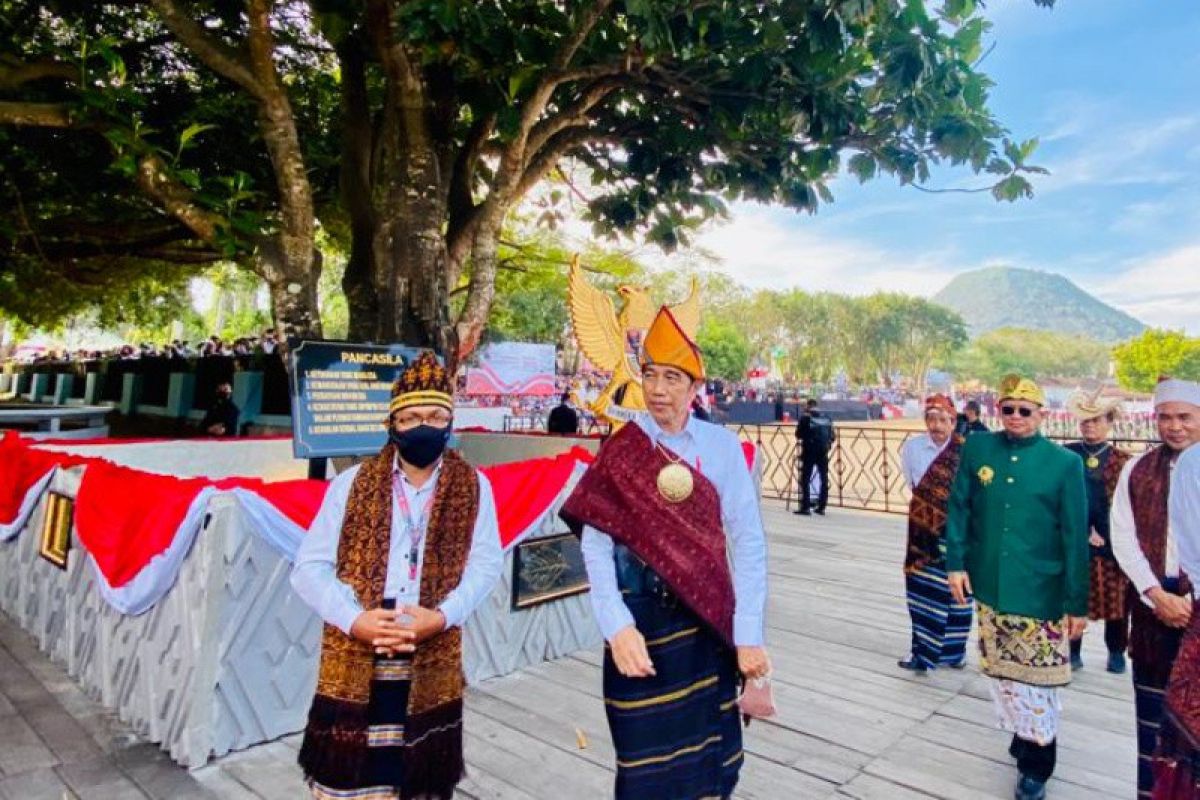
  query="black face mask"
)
[{"x": 422, "y": 445}]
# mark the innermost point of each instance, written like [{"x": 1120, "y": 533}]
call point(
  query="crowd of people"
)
[
  {"x": 243, "y": 346},
  {"x": 1007, "y": 528},
  {"x": 1033, "y": 539}
]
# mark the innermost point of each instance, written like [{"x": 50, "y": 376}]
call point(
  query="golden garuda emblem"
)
[{"x": 612, "y": 340}]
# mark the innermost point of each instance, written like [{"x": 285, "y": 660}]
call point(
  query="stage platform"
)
[{"x": 852, "y": 725}]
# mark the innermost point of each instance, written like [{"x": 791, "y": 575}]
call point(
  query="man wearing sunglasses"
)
[
  {"x": 1145, "y": 547},
  {"x": 1016, "y": 536}
]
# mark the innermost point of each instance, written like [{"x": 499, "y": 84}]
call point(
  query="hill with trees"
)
[{"x": 1006, "y": 297}]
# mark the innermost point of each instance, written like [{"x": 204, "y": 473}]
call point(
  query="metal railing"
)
[{"x": 864, "y": 464}]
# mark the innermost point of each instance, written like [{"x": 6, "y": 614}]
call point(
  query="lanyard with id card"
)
[{"x": 414, "y": 527}]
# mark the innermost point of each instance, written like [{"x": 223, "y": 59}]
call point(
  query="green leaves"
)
[
  {"x": 1140, "y": 361},
  {"x": 189, "y": 133}
]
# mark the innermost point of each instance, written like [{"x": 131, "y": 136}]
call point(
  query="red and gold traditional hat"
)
[
  {"x": 666, "y": 345},
  {"x": 939, "y": 402},
  {"x": 424, "y": 383}
]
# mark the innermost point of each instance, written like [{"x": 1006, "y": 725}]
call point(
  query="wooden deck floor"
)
[{"x": 851, "y": 724}]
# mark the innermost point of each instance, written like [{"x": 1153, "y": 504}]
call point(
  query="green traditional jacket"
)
[{"x": 1017, "y": 523}]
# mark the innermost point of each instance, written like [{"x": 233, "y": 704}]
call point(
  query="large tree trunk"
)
[{"x": 293, "y": 291}]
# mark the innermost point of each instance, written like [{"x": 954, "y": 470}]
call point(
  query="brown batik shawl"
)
[
  {"x": 683, "y": 542},
  {"x": 1149, "y": 484},
  {"x": 334, "y": 753},
  {"x": 927, "y": 510}
]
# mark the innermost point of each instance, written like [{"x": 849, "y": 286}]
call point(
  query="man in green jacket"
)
[{"x": 1016, "y": 537}]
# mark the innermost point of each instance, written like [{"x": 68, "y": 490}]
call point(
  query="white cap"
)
[{"x": 1174, "y": 390}]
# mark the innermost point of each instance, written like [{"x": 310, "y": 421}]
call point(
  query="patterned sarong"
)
[
  {"x": 1176, "y": 763},
  {"x": 1106, "y": 599},
  {"x": 677, "y": 734},
  {"x": 940, "y": 626},
  {"x": 1031, "y": 651},
  {"x": 1027, "y": 660},
  {"x": 385, "y": 735}
]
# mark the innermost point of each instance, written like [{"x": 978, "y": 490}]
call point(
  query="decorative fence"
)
[{"x": 864, "y": 465}]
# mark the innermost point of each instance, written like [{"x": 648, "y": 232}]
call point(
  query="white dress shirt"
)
[
  {"x": 916, "y": 456},
  {"x": 1125, "y": 545},
  {"x": 314, "y": 576},
  {"x": 1185, "y": 510},
  {"x": 717, "y": 454}
]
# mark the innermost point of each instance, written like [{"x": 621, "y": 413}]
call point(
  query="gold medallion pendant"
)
[
  {"x": 1092, "y": 462},
  {"x": 675, "y": 483}
]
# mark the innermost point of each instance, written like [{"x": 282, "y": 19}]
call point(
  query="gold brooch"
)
[
  {"x": 985, "y": 475},
  {"x": 675, "y": 483}
]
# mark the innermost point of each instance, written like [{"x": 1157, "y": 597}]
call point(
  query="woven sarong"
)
[
  {"x": 677, "y": 734},
  {"x": 1176, "y": 763},
  {"x": 940, "y": 626},
  {"x": 1027, "y": 660},
  {"x": 385, "y": 735},
  {"x": 1031, "y": 651},
  {"x": 1106, "y": 599}
]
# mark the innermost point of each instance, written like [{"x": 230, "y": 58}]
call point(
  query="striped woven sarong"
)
[
  {"x": 677, "y": 733},
  {"x": 940, "y": 627},
  {"x": 386, "y": 711}
]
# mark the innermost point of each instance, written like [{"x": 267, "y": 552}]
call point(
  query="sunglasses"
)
[{"x": 1024, "y": 411}]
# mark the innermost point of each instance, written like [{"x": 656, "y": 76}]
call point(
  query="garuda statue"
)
[{"x": 612, "y": 340}]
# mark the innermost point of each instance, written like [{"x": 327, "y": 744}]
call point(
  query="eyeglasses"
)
[
  {"x": 436, "y": 419},
  {"x": 1024, "y": 411}
]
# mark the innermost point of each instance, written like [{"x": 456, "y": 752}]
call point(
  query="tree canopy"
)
[
  {"x": 155, "y": 136},
  {"x": 1042, "y": 354},
  {"x": 1140, "y": 362}
]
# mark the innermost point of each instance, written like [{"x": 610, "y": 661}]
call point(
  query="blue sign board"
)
[{"x": 340, "y": 394}]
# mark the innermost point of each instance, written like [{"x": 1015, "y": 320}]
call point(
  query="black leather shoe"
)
[
  {"x": 911, "y": 665},
  {"x": 821, "y": 511},
  {"x": 804, "y": 512},
  {"x": 1030, "y": 789}
]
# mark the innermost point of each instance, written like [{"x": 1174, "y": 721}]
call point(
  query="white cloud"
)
[
  {"x": 1127, "y": 154},
  {"x": 1162, "y": 290},
  {"x": 772, "y": 248}
]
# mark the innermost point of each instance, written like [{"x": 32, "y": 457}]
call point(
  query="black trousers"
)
[
  {"x": 821, "y": 465},
  {"x": 1116, "y": 637},
  {"x": 1033, "y": 759}
]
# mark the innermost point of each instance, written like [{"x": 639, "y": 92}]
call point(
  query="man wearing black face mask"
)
[
  {"x": 222, "y": 416},
  {"x": 405, "y": 547}
]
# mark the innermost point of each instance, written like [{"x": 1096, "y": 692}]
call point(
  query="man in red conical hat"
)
[{"x": 667, "y": 498}]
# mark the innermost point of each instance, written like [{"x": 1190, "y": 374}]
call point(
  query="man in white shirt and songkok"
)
[{"x": 1145, "y": 548}]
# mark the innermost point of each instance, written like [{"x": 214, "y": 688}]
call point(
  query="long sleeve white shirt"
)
[
  {"x": 314, "y": 576},
  {"x": 916, "y": 456},
  {"x": 717, "y": 454},
  {"x": 1125, "y": 545},
  {"x": 1185, "y": 510}
]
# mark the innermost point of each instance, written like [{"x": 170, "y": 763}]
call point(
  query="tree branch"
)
[
  {"x": 35, "y": 115},
  {"x": 555, "y": 149},
  {"x": 176, "y": 199},
  {"x": 14, "y": 73},
  {"x": 217, "y": 55},
  {"x": 573, "y": 114},
  {"x": 535, "y": 106}
]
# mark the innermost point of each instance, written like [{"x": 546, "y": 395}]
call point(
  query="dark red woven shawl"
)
[
  {"x": 1149, "y": 484},
  {"x": 683, "y": 542}
]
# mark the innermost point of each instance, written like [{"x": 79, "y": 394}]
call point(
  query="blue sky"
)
[{"x": 1111, "y": 88}]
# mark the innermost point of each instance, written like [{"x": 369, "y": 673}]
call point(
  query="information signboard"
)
[{"x": 340, "y": 394}]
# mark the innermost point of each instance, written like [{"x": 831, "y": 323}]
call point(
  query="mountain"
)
[{"x": 1007, "y": 297}]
